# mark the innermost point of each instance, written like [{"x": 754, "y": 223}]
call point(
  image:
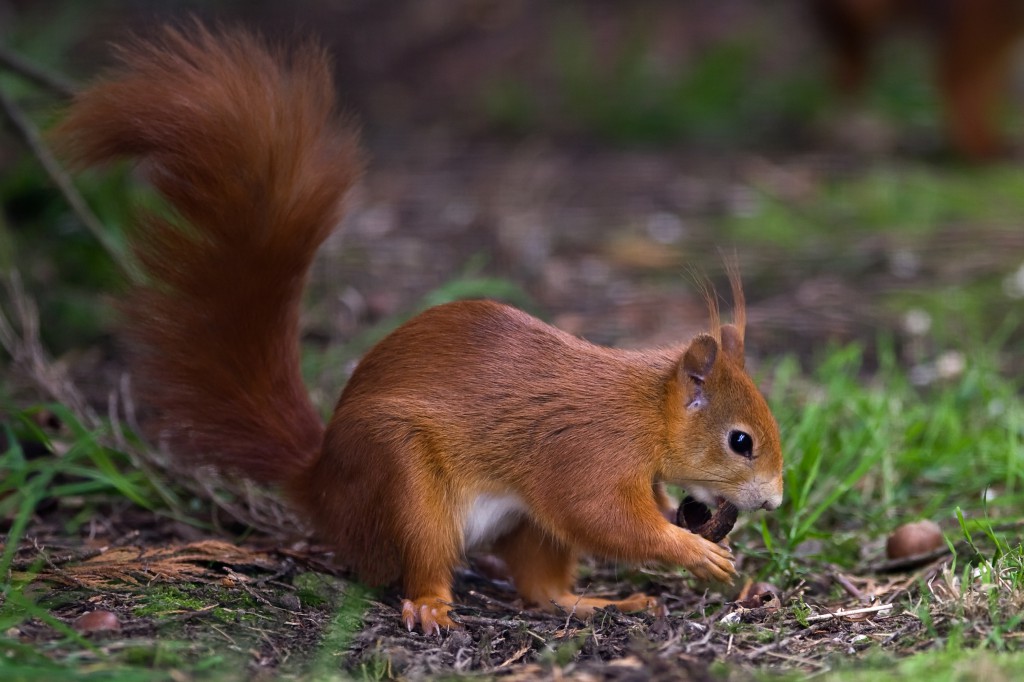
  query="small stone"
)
[
  {"x": 917, "y": 322},
  {"x": 950, "y": 364}
]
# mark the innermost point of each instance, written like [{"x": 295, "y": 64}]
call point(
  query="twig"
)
[
  {"x": 288, "y": 565},
  {"x": 55, "y": 562},
  {"x": 514, "y": 657},
  {"x": 537, "y": 637},
  {"x": 491, "y": 601},
  {"x": 44, "y": 78},
  {"x": 34, "y": 141},
  {"x": 927, "y": 574},
  {"x": 850, "y": 588},
  {"x": 19, "y": 335},
  {"x": 570, "y": 613},
  {"x": 911, "y": 625},
  {"x": 841, "y": 613},
  {"x": 767, "y": 648},
  {"x": 709, "y": 632},
  {"x": 189, "y": 615},
  {"x": 467, "y": 619},
  {"x": 241, "y": 582},
  {"x": 223, "y": 634},
  {"x": 798, "y": 659}
]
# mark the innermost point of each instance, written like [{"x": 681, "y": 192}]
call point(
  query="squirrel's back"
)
[{"x": 242, "y": 142}]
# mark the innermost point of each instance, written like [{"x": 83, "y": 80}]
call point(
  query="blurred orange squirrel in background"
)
[
  {"x": 472, "y": 426},
  {"x": 973, "y": 41}
]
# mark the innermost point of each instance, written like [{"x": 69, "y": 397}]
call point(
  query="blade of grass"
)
[{"x": 348, "y": 619}]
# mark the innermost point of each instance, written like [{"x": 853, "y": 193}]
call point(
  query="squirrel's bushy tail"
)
[{"x": 243, "y": 143}]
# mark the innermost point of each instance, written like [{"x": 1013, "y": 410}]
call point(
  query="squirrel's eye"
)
[{"x": 741, "y": 443}]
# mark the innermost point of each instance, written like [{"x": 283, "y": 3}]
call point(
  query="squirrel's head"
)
[{"x": 724, "y": 439}]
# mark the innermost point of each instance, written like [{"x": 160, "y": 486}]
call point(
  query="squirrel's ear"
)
[
  {"x": 732, "y": 343},
  {"x": 695, "y": 367}
]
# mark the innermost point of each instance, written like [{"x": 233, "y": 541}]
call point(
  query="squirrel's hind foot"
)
[{"x": 433, "y": 614}]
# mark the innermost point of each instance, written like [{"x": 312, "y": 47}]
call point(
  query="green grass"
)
[
  {"x": 902, "y": 201},
  {"x": 348, "y": 620},
  {"x": 627, "y": 94},
  {"x": 726, "y": 93},
  {"x": 86, "y": 470},
  {"x": 63, "y": 265},
  {"x": 900, "y": 232},
  {"x": 941, "y": 665},
  {"x": 868, "y": 452},
  {"x": 87, "y": 477}
]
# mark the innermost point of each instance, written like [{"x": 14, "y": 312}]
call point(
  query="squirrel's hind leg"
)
[
  {"x": 430, "y": 549},
  {"x": 386, "y": 521},
  {"x": 427, "y": 567},
  {"x": 543, "y": 571}
]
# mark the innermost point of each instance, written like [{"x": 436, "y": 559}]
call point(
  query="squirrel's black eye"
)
[{"x": 741, "y": 443}]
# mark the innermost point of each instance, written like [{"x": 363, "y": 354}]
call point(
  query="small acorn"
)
[
  {"x": 697, "y": 518},
  {"x": 96, "y": 621},
  {"x": 913, "y": 539}
]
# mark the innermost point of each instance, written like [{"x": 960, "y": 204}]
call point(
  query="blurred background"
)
[{"x": 583, "y": 159}]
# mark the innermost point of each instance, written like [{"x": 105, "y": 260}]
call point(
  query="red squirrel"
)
[
  {"x": 973, "y": 42},
  {"x": 474, "y": 425}
]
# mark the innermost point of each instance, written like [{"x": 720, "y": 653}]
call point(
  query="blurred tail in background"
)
[{"x": 973, "y": 42}]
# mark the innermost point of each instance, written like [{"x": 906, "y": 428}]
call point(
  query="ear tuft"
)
[{"x": 732, "y": 343}]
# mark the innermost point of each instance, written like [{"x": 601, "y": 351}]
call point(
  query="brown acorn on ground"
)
[{"x": 912, "y": 539}]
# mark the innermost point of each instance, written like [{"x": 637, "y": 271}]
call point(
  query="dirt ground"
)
[{"x": 272, "y": 611}]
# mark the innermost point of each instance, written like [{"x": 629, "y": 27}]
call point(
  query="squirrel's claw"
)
[{"x": 431, "y": 613}]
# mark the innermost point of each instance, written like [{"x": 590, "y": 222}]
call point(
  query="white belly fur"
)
[{"x": 490, "y": 516}]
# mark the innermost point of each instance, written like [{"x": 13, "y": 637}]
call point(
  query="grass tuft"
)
[{"x": 868, "y": 452}]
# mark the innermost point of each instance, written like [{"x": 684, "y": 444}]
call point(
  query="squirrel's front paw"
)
[{"x": 706, "y": 560}]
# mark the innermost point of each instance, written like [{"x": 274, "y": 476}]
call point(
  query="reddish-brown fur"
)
[
  {"x": 244, "y": 145},
  {"x": 973, "y": 42},
  {"x": 472, "y": 423}
]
